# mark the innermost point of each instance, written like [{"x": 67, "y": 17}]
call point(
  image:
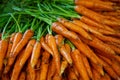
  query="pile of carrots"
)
[{"x": 83, "y": 48}]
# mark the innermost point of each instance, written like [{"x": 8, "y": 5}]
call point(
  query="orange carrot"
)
[
  {"x": 59, "y": 40},
  {"x": 96, "y": 75},
  {"x": 27, "y": 35},
  {"x": 87, "y": 66},
  {"x": 22, "y": 76},
  {"x": 51, "y": 70},
  {"x": 67, "y": 47},
  {"x": 105, "y": 77},
  {"x": 17, "y": 39},
  {"x": 35, "y": 54},
  {"x": 44, "y": 65},
  {"x": 3, "y": 50},
  {"x": 59, "y": 28},
  {"x": 16, "y": 69},
  {"x": 45, "y": 46},
  {"x": 65, "y": 54},
  {"x": 75, "y": 28},
  {"x": 95, "y": 24},
  {"x": 5, "y": 77},
  {"x": 57, "y": 77},
  {"x": 78, "y": 62},
  {"x": 56, "y": 55},
  {"x": 95, "y": 5},
  {"x": 76, "y": 71}
]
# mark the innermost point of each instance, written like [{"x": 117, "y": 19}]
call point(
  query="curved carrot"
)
[
  {"x": 95, "y": 24},
  {"x": 3, "y": 50},
  {"x": 59, "y": 40},
  {"x": 27, "y": 35},
  {"x": 44, "y": 65},
  {"x": 18, "y": 37},
  {"x": 35, "y": 54},
  {"x": 45, "y": 46},
  {"x": 78, "y": 62},
  {"x": 75, "y": 28},
  {"x": 59, "y": 28},
  {"x": 56, "y": 55}
]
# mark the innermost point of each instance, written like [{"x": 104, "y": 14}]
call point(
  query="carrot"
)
[
  {"x": 5, "y": 77},
  {"x": 95, "y": 16},
  {"x": 27, "y": 35},
  {"x": 59, "y": 28},
  {"x": 86, "y": 27},
  {"x": 98, "y": 44},
  {"x": 105, "y": 77},
  {"x": 59, "y": 40},
  {"x": 78, "y": 62},
  {"x": 45, "y": 46},
  {"x": 76, "y": 71},
  {"x": 9, "y": 47},
  {"x": 22, "y": 76},
  {"x": 3, "y": 50},
  {"x": 87, "y": 66},
  {"x": 35, "y": 54},
  {"x": 57, "y": 77},
  {"x": 71, "y": 74},
  {"x": 95, "y": 5},
  {"x": 44, "y": 65},
  {"x": 67, "y": 47},
  {"x": 75, "y": 28},
  {"x": 95, "y": 24},
  {"x": 65, "y": 54},
  {"x": 56, "y": 55},
  {"x": 98, "y": 68},
  {"x": 17, "y": 39},
  {"x": 64, "y": 65},
  {"x": 51, "y": 70},
  {"x": 96, "y": 75}
]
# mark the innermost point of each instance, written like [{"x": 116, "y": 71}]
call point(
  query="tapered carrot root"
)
[
  {"x": 56, "y": 54},
  {"x": 3, "y": 50},
  {"x": 75, "y": 28},
  {"x": 78, "y": 62},
  {"x": 44, "y": 65}
]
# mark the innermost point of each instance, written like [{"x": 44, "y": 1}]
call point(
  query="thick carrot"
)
[
  {"x": 87, "y": 66},
  {"x": 51, "y": 70},
  {"x": 27, "y": 35},
  {"x": 28, "y": 52},
  {"x": 65, "y": 54},
  {"x": 71, "y": 74},
  {"x": 16, "y": 69},
  {"x": 98, "y": 68},
  {"x": 18, "y": 37},
  {"x": 56, "y": 54},
  {"x": 96, "y": 5},
  {"x": 35, "y": 54},
  {"x": 98, "y": 44},
  {"x": 45, "y": 46},
  {"x": 59, "y": 40},
  {"x": 59, "y": 28},
  {"x": 44, "y": 65},
  {"x": 3, "y": 50},
  {"x": 86, "y": 27},
  {"x": 78, "y": 62},
  {"x": 22, "y": 76},
  {"x": 75, "y": 28},
  {"x": 9, "y": 47},
  {"x": 96, "y": 75},
  {"x": 95, "y": 16},
  {"x": 95, "y": 24},
  {"x": 105, "y": 77}
]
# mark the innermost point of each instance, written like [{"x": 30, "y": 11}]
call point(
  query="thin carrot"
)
[
  {"x": 59, "y": 28},
  {"x": 56, "y": 55},
  {"x": 22, "y": 76},
  {"x": 45, "y": 46},
  {"x": 87, "y": 66},
  {"x": 27, "y": 35},
  {"x": 78, "y": 62},
  {"x": 57, "y": 77},
  {"x": 105, "y": 77},
  {"x": 3, "y": 50},
  {"x": 18, "y": 37},
  {"x": 59, "y": 40},
  {"x": 96, "y": 75},
  {"x": 76, "y": 71},
  {"x": 5, "y": 77},
  {"x": 67, "y": 47},
  {"x": 95, "y": 24},
  {"x": 75, "y": 28}
]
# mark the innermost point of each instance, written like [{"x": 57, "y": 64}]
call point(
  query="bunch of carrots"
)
[{"x": 77, "y": 42}]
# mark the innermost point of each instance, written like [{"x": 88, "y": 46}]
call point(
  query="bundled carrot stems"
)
[{"x": 60, "y": 40}]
